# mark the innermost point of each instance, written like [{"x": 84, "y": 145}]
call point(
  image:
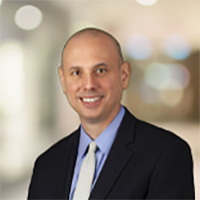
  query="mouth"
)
[{"x": 91, "y": 101}]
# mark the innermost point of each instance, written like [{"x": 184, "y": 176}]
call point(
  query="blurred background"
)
[{"x": 159, "y": 38}]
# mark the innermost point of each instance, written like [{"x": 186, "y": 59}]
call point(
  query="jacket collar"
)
[{"x": 119, "y": 155}]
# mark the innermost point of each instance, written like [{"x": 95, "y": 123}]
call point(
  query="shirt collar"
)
[{"x": 105, "y": 139}]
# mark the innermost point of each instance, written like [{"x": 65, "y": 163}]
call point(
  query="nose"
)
[{"x": 89, "y": 82}]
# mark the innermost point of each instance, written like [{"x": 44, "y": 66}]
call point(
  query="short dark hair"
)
[{"x": 94, "y": 31}]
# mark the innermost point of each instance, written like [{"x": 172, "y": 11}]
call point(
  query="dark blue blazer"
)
[{"x": 145, "y": 162}]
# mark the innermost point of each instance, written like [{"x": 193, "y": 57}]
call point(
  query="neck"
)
[{"x": 93, "y": 130}]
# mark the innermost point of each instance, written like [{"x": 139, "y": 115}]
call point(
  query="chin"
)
[{"x": 91, "y": 117}]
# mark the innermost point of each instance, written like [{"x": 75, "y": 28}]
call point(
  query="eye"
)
[
  {"x": 101, "y": 71},
  {"x": 76, "y": 73}
]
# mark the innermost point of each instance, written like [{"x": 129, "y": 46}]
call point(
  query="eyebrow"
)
[
  {"x": 95, "y": 66},
  {"x": 101, "y": 64},
  {"x": 74, "y": 68}
]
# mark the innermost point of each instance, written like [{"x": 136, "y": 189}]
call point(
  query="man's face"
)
[{"x": 93, "y": 78}]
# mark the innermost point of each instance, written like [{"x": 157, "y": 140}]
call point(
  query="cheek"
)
[
  {"x": 112, "y": 85},
  {"x": 72, "y": 85},
  {"x": 107, "y": 84},
  {"x": 71, "y": 88}
]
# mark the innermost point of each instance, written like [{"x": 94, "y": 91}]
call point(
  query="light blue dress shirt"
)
[{"x": 104, "y": 142}]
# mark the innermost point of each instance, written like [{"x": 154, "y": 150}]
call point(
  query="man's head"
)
[
  {"x": 95, "y": 32},
  {"x": 93, "y": 75}
]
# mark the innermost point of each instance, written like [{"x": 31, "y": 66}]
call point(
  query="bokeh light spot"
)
[
  {"x": 139, "y": 47},
  {"x": 146, "y": 2},
  {"x": 28, "y": 17},
  {"x": 177, "y": 47},
  {"x": 157, "y": 75},
  {"x": 180, "y": 75},
  {"x": 170, "y": 76},
  {"x": 11, "y": 85}
]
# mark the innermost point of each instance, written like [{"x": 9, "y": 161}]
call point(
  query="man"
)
[{"x": 130, "y": 159}]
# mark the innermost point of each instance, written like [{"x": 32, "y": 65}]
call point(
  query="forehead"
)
[
  {"x": 91, "y": 37},
  {"x": 88, "y": 46}
]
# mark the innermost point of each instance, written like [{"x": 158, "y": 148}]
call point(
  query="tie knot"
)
[{"x": 92, "y": 147}]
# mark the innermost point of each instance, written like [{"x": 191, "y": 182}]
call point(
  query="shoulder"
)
[
  {"x": 158, "y": 135},
  {"x": 54, "y": 152},
  {"x": 148, "y": 135},
  {"x": 161, "y": 158},
  {"x": 157, "y": 147}
]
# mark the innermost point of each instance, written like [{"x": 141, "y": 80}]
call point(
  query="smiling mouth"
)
[{"x": 91, "y": 100}]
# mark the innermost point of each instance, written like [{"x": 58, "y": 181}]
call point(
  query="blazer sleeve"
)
[
  {"x": 172, "y": 177},
  {"x": 32, "y": 190}
]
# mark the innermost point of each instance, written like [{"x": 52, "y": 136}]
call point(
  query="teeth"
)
[{"x": 91, "y": 99}]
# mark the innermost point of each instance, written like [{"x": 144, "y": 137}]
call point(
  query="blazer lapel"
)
[
  {"x": 66, "y": 166},
  {"x": 119, "y": 155}
]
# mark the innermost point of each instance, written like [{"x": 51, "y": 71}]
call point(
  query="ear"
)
[
  {"x": 62, "y": 78},
  {"x": 125, "y": 70}
]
